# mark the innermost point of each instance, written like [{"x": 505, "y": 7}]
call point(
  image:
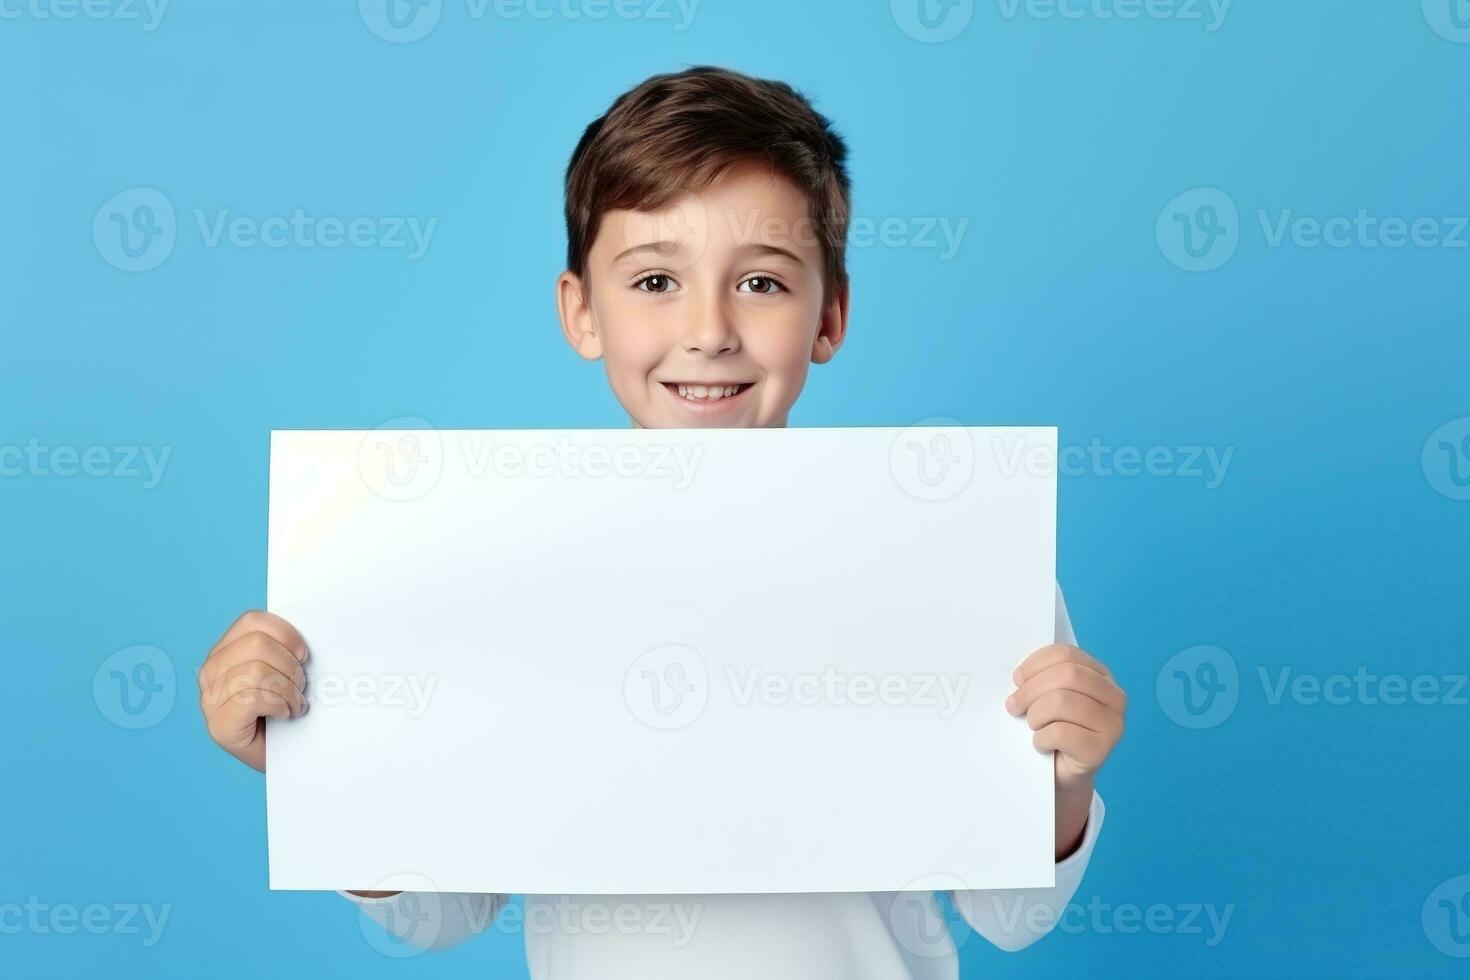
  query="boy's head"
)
[{"x": 707, "y": 217}]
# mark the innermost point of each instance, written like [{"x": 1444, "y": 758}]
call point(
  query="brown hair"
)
[{"x": 679, "y": 132}]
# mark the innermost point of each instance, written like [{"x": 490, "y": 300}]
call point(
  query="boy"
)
[{"x": 706, "y": 219}]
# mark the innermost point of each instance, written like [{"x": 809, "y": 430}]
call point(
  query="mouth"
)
[
  {"x": 695, "y": 392},
  {"x": 706, "y": 397}
]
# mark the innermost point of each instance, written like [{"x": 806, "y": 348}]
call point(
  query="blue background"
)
[{"x": 1326, "y": 548}]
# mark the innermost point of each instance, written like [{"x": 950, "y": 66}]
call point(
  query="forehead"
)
[{"x": 748, "y": 204}]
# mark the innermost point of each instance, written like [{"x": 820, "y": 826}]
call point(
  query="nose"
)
[{"x": 711, "y": 330}]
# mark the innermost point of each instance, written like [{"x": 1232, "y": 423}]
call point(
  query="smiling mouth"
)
[{"x": 697, "y": 393}]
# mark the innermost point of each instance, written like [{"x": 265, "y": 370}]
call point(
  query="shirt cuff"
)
[
  {"x": 1070, "y": 868},
  {"x": 426, "y": 920}
]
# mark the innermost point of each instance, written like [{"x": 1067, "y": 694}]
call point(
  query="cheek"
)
[
  {"x": 632, "y": 339},
  {"x": 783, "y": 349}
]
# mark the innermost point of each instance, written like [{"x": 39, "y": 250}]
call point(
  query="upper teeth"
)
[{"x": 707, "y": 392}]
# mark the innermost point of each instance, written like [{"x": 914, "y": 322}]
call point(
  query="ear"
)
[
  {"x": 832, "y": 331},
  {"x": 574, "y": 306}
]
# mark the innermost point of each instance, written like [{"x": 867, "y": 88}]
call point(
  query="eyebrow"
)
[
  {"x": 761, "y": 248},
  {"x": 661, "y": 247},
  {"x": 670, "y": 247}
]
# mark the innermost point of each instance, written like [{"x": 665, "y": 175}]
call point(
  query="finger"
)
[
  {"x": 267, "y": 704},
  {"x": 256, "y": 682},
  {"x": 1057, "y": 653},
  {"x": 1073, "y": 741},
  {"x": 260, "y": 621},
  {"x": 1069, "y": 675},
  {"x": 235, "y": 724},
  {"x": 1074, "y": 708},
  {"x": 252, "y": 646}
]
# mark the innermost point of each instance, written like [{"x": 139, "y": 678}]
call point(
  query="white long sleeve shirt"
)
[{"x": 852, "y": 935}]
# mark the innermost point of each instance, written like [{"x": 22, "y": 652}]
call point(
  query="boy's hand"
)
[
  {"x": 253, "y": 673},
  {"x": 1076, "y": 709},
  {"x": 1074, "y": 706}
]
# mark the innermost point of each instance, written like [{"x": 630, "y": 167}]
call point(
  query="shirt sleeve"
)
[
  {"x": 430, "y": 920},
  {"x": 1014, "y": 918}
]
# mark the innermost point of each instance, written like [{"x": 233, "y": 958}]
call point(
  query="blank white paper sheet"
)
[{"x": 626, "y": 662}]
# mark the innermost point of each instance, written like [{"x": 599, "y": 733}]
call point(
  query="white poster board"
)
[{"x": 662, "y": 661}]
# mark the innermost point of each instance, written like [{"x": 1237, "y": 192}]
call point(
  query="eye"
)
[
  {"x": 764, "y": 285},
  {"x": 654, "y": 282}
]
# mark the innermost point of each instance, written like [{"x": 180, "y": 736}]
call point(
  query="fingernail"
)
[{"x": 1011, "y": 704}]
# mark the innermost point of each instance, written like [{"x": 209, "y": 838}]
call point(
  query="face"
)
[{"x": 708, "y": 311}]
